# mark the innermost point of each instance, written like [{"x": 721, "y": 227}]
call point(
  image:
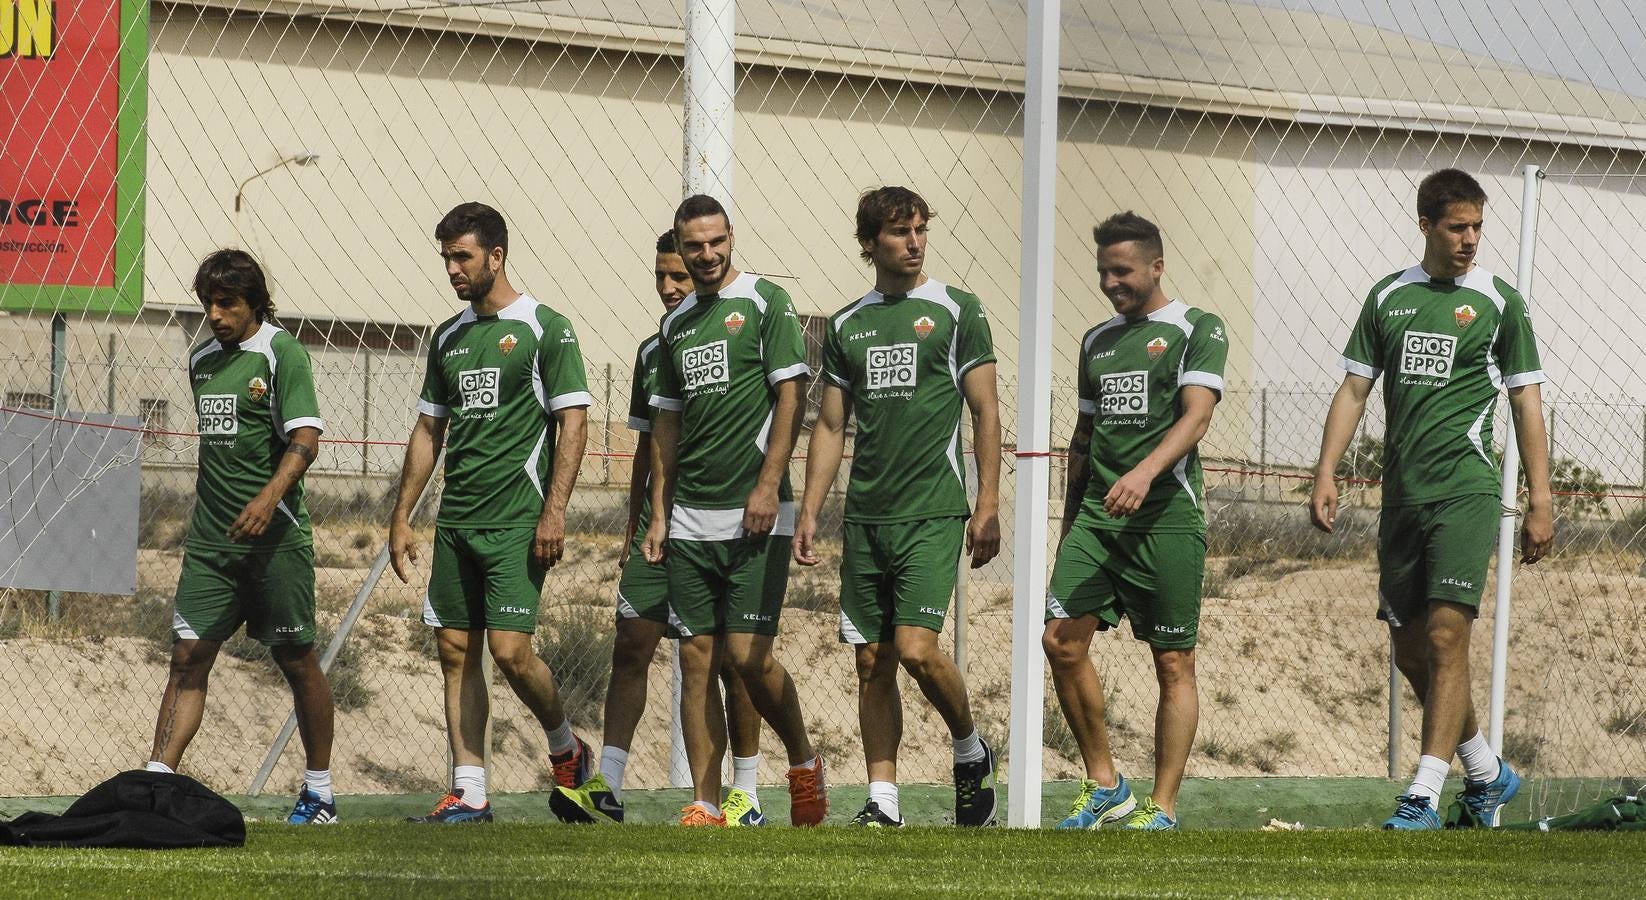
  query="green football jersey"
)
[
  {"x": 1130, "y": 375},
  {"x": 641, "y": 388},
  {"x": 722, "y": 356},
  {"x": 249, "y": 400},
  {"x": 499, "y": 380},
  {"x": 901, "y": 360},
  {"x": 1449, "y": 347}
]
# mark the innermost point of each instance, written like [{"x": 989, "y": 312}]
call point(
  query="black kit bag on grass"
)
[{"x": 135, "y": 809}]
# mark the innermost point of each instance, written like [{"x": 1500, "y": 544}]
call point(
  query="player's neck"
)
[
  {"x": 497, "y": 299},
  {"x": 1157, "y": 302},
  {"x": 709, "y": 290},
  {"x": 1445, "y": 269},
  {"x": 897, "y": 284},
  {"x": 234, "y": 343}
]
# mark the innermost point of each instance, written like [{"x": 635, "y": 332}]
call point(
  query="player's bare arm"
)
[
  {"x": 1537, "y": 530},
  {"x": 422, "y": 448},
  {"x": 639, "y": 473},
  {"x": 760, "y": 511},
  {"x": 1196, "y": 403},
  {"x": 823, "y": 455},
  {"x": 1348, "y": 405},
  {"x": 982, "y": 398},
  {"x": 1079, "y": 473},
  {"x": 665, "y": 467},
  {"x": 572, "y": 438},
  {"x": 301, "y": 451}
]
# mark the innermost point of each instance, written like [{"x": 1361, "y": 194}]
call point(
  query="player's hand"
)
[
  {"x": 983, "y": 536},
  {"x": 1323, "y": 504},
  {"x": 253, "y": 520},
  {"x": 656, "y": 541},
  {"x": 1537, "y": 533},
  {"x": 1126, "y": 496},
  {"x": 805, "y": 531},
  {"x": 402, "y": 549},
  {"x": 549, "y": 541},
  {"x": 760, "y": 511}
]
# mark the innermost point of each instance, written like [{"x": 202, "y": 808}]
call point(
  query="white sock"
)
[
  {"x": 471, "y": 780},
  {"x": 1480, "y": 764},
  {"x": 319, "y": 781},
  {"x": 884, "y": 794},
  {"x": 808, "y": 764},
  {"x": 745, "y": 769},
  {"x": 1430, "y": 779},
  {"x": 612, "y": 763},
  {"x": 713, "y": 810},
  {"x": 561, "y": 740},
  {"x": 969, "y": 749},
  {"x": 155, "y": 765}
]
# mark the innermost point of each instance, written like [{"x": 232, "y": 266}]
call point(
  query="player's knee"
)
[
  {"x": 921, "y": 662},
  {"x": 630, "y": 651},
  {"x": 1447, "y": 644},
  {"x": 192, "y": 659},
  {"x": 1174, "y": 668},
  {"x": 1061, "y": 652},
  {"x": 514, "y": 662}
]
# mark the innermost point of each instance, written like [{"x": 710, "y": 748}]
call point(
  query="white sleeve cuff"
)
[
  {"x": 1204, "y": 379},
  {"x": 986, "y": 358},
  {"x": 433, "y": 409},
  {"x": 1355, "y": 367},
  {"x": 839, "y": 382},
  {"x": 1087, "y": 407},
  {"x": 666, "y": 403},
  {"x": 304, "y": 422},
  {"x": 798, "y": 370},
  {"x": 574, "y": 398},
  {"x": 638, "y": 424},
  {"x": 1535, "y": 376}
]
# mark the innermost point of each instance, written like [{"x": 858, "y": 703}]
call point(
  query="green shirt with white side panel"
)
[
  {"x": 1448, "y": 347},
  {"x": 640, "y": 405},
  {"x": 498, "y": 380},
  {"x": 901, "y": 360},
  {"x": 1131, "y": 372},
  {"x": 249, "y": 399},
  {"x": 722, "y": 357}
]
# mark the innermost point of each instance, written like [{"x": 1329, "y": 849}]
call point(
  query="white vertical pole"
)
[
  {"x": 707, "y": 166},
  {"x": 1034, "y": 411},
  {"x": 1530, "y": 174}
]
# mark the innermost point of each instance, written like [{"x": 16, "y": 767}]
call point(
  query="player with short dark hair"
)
[
  {"x": 1134, "y": 518},
  {"x": 730, "y": 381},
  {"x": 506, "y": 394},
  {"x": 905, "y": 359},
  {"x": 249, "y": 555},
  {"x": 1445, "y": 336}
]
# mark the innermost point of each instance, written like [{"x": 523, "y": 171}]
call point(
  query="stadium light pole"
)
[
  {"x": 1034, "y": 412},
  {"x": 1530, "y": 175},
  {"x": 707, "y": 166}
]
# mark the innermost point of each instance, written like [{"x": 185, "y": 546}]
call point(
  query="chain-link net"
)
[{"x": 1277, "y": 142}]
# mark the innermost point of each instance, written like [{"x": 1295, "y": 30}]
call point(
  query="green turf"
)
[{"x": 384, "y": 859}]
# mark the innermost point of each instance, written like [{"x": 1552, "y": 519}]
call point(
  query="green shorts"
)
[
  {"x": 643, "y": 589},
  {"x": 721, "y": 586},
  {"x": 1434, "y": 551},
  {"x": 484, "y": 577},
  {"x": 900, "y": 573},
  {"x": 1153, "y": 579},
  {"x": 270, "y": 590}
]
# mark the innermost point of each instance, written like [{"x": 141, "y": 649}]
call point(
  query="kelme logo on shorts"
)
[
  {"x": 257, "y": 389},
  {"x": 514, "y": 610},
  {"x": 923, "y": 326},
  {"x": 734, "y": 323},
  {"x": 705, "y": 365},
  {"x": 890, "y": 367},
  {"x": 506, "y": 343},
  {"x": 1465, "y": 315},
  {"x": 1124, "y": 394},
  {"x": 1156, "y": 347},
  {"x": 479, "y": 388},
  {"x": 1428, "y": 355},
  {"x": 218, "y": 414}
]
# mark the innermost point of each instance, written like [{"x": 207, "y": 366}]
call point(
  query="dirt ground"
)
[{"x": 1293, "y": 680}]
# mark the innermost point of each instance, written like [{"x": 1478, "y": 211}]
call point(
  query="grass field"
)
[{"x": 525, "y": 854}]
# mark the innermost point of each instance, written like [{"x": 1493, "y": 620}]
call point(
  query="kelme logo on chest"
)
[
  {"x": 219, "y": 414},
  {"x": 890, "y": 367},
  {"x": 706, "y": 365},
  {"x": 479, "y": 387},
  {"x": 1124, "y": 394},
  {"x": 1427, "y": 355}
]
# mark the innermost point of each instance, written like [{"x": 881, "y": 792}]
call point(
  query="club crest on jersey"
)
[
  {"x": 923, "y": 326},
  {"x": 1156, "y": 347},
  {"x": 1465, "y": 315},
  {"x": 734, "y": 323},
  {"x": 507, "y": 343},
  {"x": 257, "y": 389}
]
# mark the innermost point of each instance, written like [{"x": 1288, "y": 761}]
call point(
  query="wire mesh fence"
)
[{"x": 328, "y": 139}]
